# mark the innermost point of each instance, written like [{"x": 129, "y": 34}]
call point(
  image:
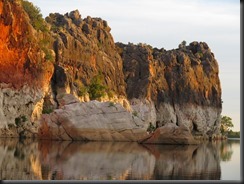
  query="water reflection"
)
[
  {"x": 187, "y": 162},
  {"x": 94, "y": 160},
  {"x": 53, "y": 160},
  {"x": 226, "y": 151}
]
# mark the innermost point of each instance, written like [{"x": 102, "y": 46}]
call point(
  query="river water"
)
[{"x": 64, "y": 160}]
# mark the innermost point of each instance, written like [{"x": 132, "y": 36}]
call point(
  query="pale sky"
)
[{"x": 166, "y": 23}]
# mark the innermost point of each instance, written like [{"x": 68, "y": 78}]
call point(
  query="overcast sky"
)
[{"x": 166, "y": 23}]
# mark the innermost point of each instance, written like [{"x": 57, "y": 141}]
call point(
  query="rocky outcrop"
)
[
  {"x": 92, "y": 121},
  {"x": 170, "y": 134},
  {"x": 84, "y": 49},
  {"x": 52, "y": 67},
  {"x": 182, "y": 84},
  {"x": 22, "y": 61},
  {"x": 25, "y": 71},
  {"x": 19, "y": 109}
]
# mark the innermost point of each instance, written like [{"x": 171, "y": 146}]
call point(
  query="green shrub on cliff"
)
[
  {"x": 199, "y": 54},
  {"x": 110, "y": 93},
  {"x": 151, "y": 128},
  {"x": 44, "y": 44},
  {"x": 81, "y": 89},
  {"x": 48, "y": 54},
  {"x": 97, "y": 89},
  {"x": 111, "y": 104},
  {"x": 134, "y": 113},
  {"x": 20, "y": 120},
  {"x": 47, "y": 110},
  {"x": 35, "y": 16}
]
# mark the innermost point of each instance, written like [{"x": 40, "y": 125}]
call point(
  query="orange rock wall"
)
[{"x": 20, "y": 60}]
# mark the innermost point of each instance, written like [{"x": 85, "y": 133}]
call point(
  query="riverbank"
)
[{"x": 238, "y": 139}]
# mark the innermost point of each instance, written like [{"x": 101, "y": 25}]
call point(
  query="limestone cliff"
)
[
  {"x": 183, "y": 84},
  {"x": 51, "y": 66}
]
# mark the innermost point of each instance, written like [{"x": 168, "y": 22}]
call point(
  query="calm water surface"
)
[{"x": 54, "y": 160}]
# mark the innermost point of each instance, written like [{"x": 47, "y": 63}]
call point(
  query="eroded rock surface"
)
[
  {"x": 84, "y": 48},
  {"x": 52, "y": 68},
  {"x": 182, "y": 84},
  {"x": 25, "y": 72}
]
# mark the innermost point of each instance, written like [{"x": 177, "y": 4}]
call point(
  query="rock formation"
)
[
  {"x": 182, "y": 84},
  {"x": 85, "y": 48},
  {"x": 170, "y": 134},
  {"x": 25, "y": 72},
  {"x": 51, "y": 71},
  {"x": 92, "y": 121}
]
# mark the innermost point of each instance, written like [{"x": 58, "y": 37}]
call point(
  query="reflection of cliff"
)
[
  {"x": 96, "y": 160},
  {"x": 186, "y": 162},
  {"x": 106, "y": 161},
  {"x": 15, "y": 159}
]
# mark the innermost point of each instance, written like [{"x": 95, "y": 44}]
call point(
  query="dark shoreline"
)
[{"x": 234, "y": 138}]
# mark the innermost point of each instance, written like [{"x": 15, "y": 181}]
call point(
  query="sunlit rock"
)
[{"x": 101, "y": 121}]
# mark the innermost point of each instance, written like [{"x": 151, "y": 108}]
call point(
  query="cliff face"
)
[
  {"x": 85, "y": 49},
  {"x": 178, "y": 76},
  {"x": 49, "y": 65},
  {"x": 182, "y": 83},
  {"x": 22, "y": 61},
  {"x": 24, "y": 71}
]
